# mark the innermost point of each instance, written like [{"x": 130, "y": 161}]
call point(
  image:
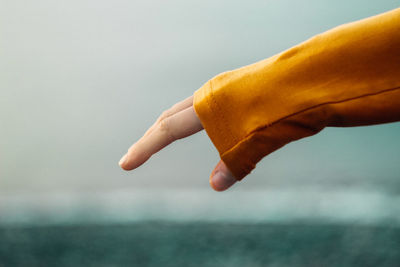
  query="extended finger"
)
[
  {"x": 171, "y": 111},
  {"x": 166, "y": 131}
]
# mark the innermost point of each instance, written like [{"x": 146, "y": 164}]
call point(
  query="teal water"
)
[{"x": 200, "y": 244}]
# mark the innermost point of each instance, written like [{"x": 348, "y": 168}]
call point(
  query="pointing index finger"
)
[{"x": 164, "y": 132}]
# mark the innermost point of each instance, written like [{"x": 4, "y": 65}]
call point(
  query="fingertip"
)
[
  {"x": 213, "y": 186},
  {"x": 221, "y": 178},
  {"x": 132, "y": 160},
  {"x": 221, "y": 181},
  {"x": 122, "y": 160},
  {"x": 122, "y": 163}
]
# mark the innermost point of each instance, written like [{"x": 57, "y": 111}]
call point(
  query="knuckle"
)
[
  {"x": 163, "y": 115},
  {"x": 165, "y": 127},
  {"x": 163, "y": 124}
]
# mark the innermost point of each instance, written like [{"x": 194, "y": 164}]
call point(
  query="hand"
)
[{"x": 175, "y": 123}]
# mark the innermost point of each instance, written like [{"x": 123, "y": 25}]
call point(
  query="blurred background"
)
[{"x": 81, "y": 80}]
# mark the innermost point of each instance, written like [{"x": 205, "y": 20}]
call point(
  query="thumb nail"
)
[
  {"x": 221, "y": 181},
  {"x": 122, "y": 160}
]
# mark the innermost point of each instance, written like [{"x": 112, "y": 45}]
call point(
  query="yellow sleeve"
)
[{"x": 347, "y": 76}]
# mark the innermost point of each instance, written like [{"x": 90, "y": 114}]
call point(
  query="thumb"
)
[{"x": 221, "y": 177}]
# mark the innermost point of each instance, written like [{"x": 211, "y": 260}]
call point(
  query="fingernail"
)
[
  {"x": 122, "y": 160},
  {"x": 222, "y": 181}
]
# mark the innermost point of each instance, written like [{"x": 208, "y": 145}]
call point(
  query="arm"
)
[{"x": 348, "y": 76}]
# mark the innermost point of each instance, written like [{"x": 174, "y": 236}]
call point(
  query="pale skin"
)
[{"x": 178, "y": 122}]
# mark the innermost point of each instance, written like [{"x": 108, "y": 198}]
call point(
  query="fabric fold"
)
[{"x": 347, "y": 76}]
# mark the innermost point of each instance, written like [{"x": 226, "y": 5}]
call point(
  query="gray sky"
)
[{"x": 81, "y": 80}]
